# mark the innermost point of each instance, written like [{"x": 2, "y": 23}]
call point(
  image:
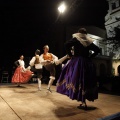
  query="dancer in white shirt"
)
[
  {"x": 37, "y": 63},
  {"x": 21, "y": 74}
]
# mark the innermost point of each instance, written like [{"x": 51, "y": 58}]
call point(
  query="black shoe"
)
[
  {"x": 49, "y": 90},
  {"x": 81, "y": 106}
]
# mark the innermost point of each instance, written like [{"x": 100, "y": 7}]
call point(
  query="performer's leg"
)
[
  {"x": 52, "y": 78},
  {"x": 51, "y": 69},
  {"x": 83, "y": 105},
  {"x": 39, "y": 76},
  {"x": 59, "y": 61},
  {"x": 39, "y": 84}
]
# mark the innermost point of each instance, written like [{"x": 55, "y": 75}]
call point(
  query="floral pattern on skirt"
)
[{"x": 78, "y": 80}]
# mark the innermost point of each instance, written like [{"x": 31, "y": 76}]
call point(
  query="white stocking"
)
[
  {"x": 59, "y": 61},
  {"x": 39, "y": 84},
  {"x": 50, "y": 83}
]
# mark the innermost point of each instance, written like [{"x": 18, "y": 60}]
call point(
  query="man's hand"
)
[{"x": 52, "y": 62}]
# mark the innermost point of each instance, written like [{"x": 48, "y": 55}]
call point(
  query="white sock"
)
[
  {"x": 50, "y": 83},
  {"x": 61, "y": 60},
  {"x": 39, "y": 83}
]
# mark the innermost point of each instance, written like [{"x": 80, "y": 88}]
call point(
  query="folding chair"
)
[{"x": 5, "y": 76}]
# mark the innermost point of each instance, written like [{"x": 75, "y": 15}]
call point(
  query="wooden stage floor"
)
[{"x": 27, "y": 103}]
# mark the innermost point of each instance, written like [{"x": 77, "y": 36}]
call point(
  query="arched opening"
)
[{"x": 118, "y": 69}]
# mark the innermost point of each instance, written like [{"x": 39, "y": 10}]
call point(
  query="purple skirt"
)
[{"x": 78, "y": 80}]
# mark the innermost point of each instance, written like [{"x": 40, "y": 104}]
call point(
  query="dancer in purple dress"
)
[{"x": 78, "y": 76}]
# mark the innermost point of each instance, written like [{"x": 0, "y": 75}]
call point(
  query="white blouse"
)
[
  {"x": 22, "y": 64},
  {"x": 37, "y": 66}
]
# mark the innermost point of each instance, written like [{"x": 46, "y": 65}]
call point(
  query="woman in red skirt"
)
[{"x": 21, "y": 74}]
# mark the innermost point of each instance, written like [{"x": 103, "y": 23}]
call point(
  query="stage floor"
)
[{"x": 27, "y": 103}]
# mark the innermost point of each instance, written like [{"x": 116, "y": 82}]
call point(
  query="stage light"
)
[{"x": 62, "y": 8}]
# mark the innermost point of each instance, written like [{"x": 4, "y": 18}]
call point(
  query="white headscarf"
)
[{"x": 83, "y": 38}]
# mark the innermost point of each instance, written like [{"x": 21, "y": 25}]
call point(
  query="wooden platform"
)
[{"x": 27, "y": 103}]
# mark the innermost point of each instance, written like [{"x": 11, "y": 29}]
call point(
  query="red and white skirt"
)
[{"x": 21, "y": 76}]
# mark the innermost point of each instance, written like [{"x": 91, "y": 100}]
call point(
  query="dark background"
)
[{"x": 27, "y": 25}]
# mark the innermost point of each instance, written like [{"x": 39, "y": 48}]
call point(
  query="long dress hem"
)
[
  {"x": 21, "y": 76},
  {"x": 78, "y": 80}
]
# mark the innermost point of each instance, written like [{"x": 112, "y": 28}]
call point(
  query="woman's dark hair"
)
[
  {"x": 37, "y": 52},
  {"x": 21, "y": 56},
  {"x": 82, "y": 30}
]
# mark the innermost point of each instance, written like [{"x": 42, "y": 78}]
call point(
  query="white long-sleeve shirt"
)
[{"x": 37, "y": 66}]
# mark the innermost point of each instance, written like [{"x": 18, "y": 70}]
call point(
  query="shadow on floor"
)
[{"x": 71, "y": 111}]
